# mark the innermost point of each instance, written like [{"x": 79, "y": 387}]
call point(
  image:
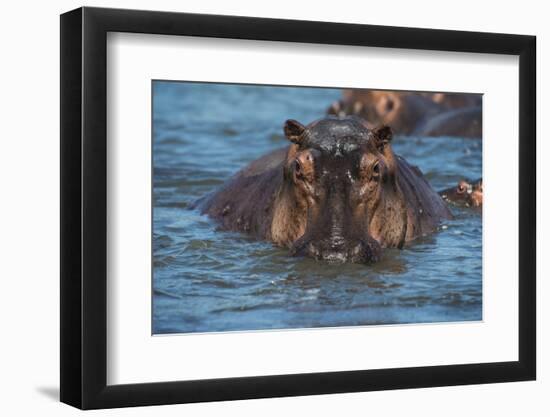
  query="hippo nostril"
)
[
  {"x": 303, "y": 247},
  {"x": 357, "y": 250},
  {"x": 365, "y": 252}
]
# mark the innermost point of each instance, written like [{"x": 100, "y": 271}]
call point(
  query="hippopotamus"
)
[
  {"x": 466, "y": 193},
  {"x": 337, "y": 193},
  {"x": 411, "y": 113}
]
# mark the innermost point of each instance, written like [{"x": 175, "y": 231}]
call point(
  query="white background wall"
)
[{"x": 29, "y": 225}]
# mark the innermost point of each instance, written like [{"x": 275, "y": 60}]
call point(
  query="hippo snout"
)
[{"x": 358, "y": 251}]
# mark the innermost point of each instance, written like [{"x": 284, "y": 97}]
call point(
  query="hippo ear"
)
[
  {"x": 294, "y": 131},
  {"x": 381, "y": 135}
]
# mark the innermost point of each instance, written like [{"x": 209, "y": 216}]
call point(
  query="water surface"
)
[{"x": 210, "y": 280}]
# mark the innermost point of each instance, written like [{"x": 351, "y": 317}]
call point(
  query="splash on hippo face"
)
[{"x": 340, "y": 186}]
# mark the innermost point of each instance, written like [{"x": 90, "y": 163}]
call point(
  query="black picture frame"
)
[{"x": 84, "y": 207}]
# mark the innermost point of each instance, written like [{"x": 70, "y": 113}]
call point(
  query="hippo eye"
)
[
  {"x": 299, "y": 173},
  {"x": 297, "y": 167},
  {"x": 376, "y": 170},
  {"x": 461, "y": 189}
]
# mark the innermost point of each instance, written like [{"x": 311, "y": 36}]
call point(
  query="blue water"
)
[{"x": 207, "y": 280}]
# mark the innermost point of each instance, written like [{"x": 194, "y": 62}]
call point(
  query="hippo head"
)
[
  {"x": 402, "y": 110},
  {"x": 376, "y": 106},
  {"x": 340, "y": 200},
  {"x": 466, "y": 193}
]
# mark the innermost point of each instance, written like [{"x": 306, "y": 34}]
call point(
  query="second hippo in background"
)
[
  {"x": 465, "y": 193},
  {"x": 412, "y": 113}
]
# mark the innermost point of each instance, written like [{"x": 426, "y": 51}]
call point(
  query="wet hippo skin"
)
[{"x": 337, "y": 193}]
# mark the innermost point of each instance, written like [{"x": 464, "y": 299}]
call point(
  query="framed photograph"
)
[{"x": 258, "y": 208}]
